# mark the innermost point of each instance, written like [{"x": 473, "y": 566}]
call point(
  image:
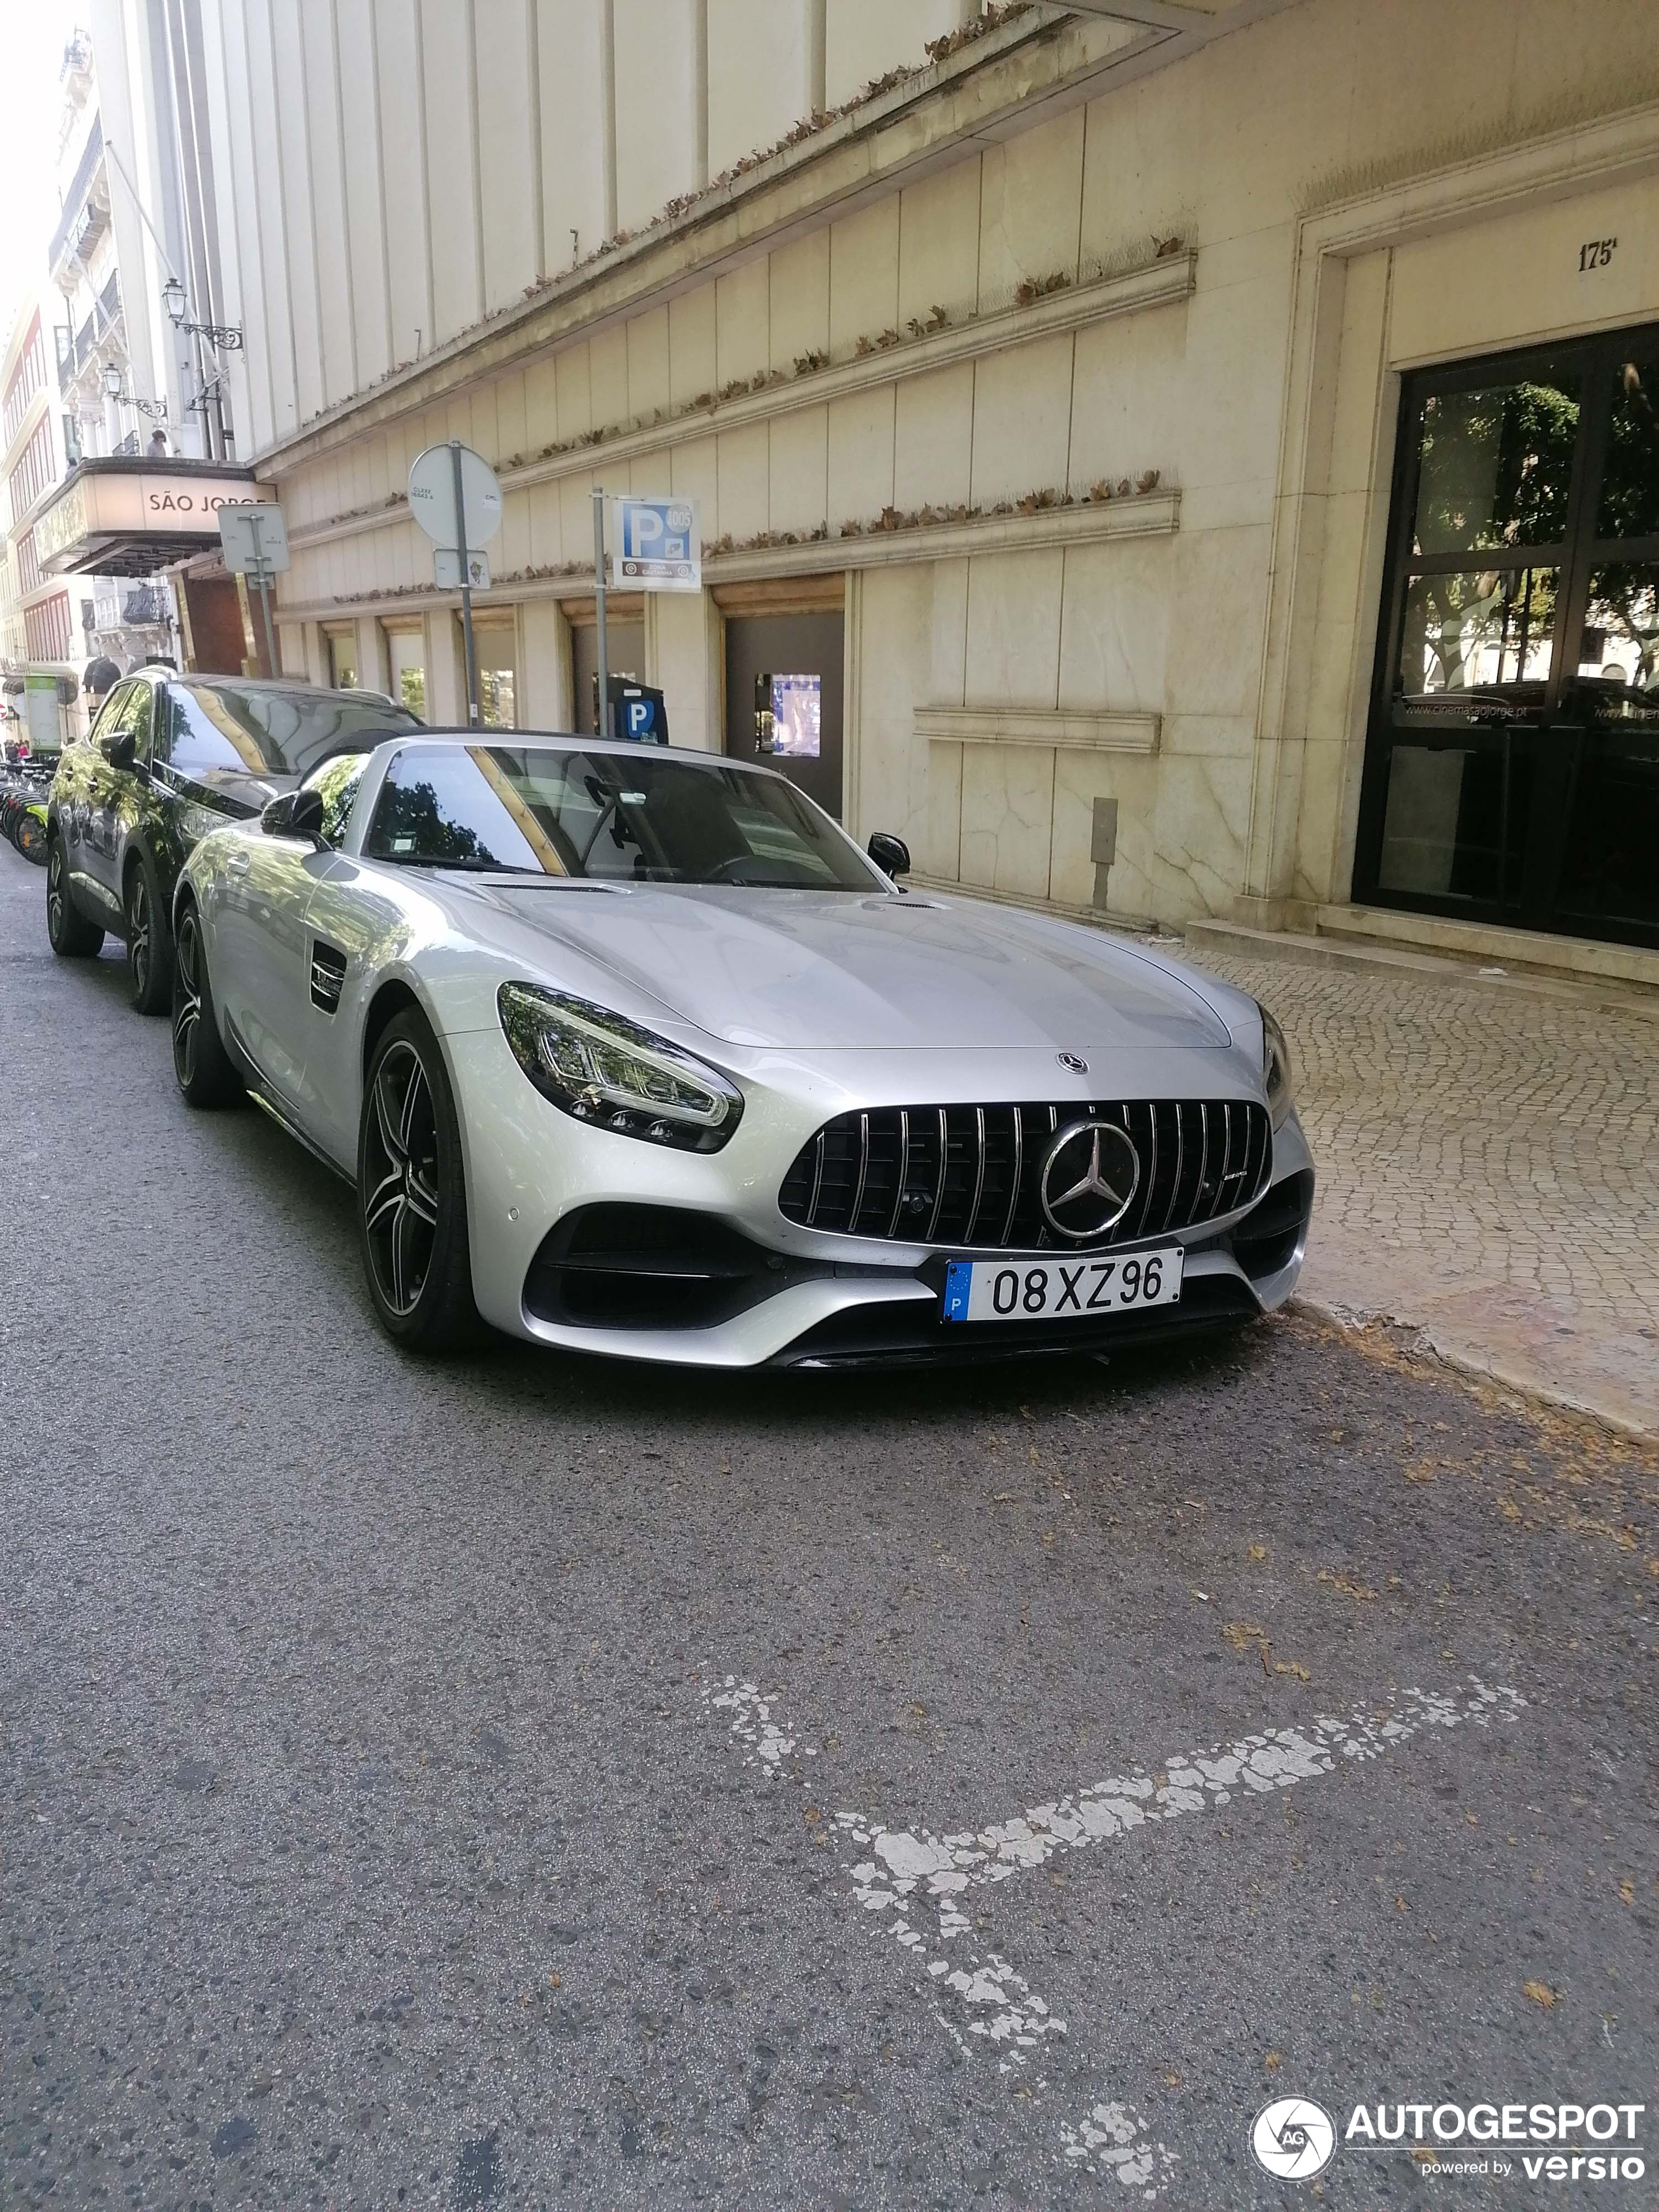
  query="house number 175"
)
[{"x": 1596, "y": 253}]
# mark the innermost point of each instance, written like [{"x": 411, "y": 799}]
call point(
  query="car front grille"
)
[{"x": 967, "y": 1177}]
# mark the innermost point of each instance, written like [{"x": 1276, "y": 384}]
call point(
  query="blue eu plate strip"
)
[{"x": 958, "y": 1281}]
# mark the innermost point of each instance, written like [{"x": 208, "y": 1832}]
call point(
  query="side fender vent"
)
[{"x": 328, "y": 968}]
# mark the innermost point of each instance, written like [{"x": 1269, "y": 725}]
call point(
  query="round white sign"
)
[
  {"x": 432, "y": 497},
  {"x": 1293, "y": 2138}
]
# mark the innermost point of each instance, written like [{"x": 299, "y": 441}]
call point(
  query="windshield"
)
[
  {"x": 638, "y": 817},
  {"x": 226, "y": 727}
]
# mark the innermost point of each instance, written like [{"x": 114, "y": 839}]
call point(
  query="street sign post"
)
[
  {"x": 456, "y": 497},
  {"x": 254, "y": 535},
  {"x": 660, "y": 551}
]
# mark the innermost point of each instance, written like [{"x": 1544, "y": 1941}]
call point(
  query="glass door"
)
[{"x": 1512, "y": 762}]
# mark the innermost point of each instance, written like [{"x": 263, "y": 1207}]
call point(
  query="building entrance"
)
[
  {"x": 783, "y": 698},
  {"x": 1512, "y": 758}
]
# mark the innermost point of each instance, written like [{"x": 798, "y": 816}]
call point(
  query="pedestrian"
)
[{"x": 101, "y": 677}]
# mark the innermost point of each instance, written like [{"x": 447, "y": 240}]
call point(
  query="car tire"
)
[
  {"x": 149, "y": 940},
  {"x": 72, "y": 936},
  {"x": 412, "y": 1193},
  {"x": 204, "y": 1072}
]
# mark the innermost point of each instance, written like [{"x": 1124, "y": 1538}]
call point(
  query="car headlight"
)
[
  {"x": 1275, "y": 1068},
  {"x": 599, "y": 1067}
]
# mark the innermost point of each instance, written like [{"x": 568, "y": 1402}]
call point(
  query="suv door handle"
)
[{"x": 237, "y": 861}]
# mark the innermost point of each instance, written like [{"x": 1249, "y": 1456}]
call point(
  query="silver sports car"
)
[{"x": 632, "y": 1050}]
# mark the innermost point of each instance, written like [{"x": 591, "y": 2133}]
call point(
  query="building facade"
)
[{"x": 1162, "y": 460}]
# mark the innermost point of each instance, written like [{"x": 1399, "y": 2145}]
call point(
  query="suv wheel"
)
[
  {"x": 149, "y": 941},
  {"x": 412, "y": 1193},
  {"x": 72, "y": 936},
  {"x": 205, "y": 1073}
]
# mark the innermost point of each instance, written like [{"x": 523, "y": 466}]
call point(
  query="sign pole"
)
[
  {"x": 598, "y": 608},
  {"x": 472, "y": 715},
  {"x": 271, "y": 633}
]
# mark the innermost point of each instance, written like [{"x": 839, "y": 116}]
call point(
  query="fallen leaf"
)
[
  {"x": 1271, "y": 2063},
  {"x": 1172, "y": 2077},
  {"x": 1540, "y": 1993},
  {"x": 1242, "y": 1634},
  {"x": 1341, "y": 1578},
  {"x": 1627, "y": 1890},
  {"x": 1293, "y": 1666},
  {"x": 1256, "y": 1553}
]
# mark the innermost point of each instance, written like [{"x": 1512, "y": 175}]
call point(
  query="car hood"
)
[{"x": 797, "y": 969}]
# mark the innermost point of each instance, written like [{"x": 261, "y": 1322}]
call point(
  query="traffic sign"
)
[
  {"x": 447, "y": 569},
  {"x": 659, "y": 549},
  {"x": 255, "y": 538},
  {"x": 432, "y": 497}
]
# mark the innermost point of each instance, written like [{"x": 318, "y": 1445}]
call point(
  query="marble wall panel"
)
[
  {"x": 743, "y": 466},
  {"x": 742, "y": 324},
  {"x": 798, "y": 300},
  {"x": 1115, "y": 626},
  {"x": 1022, "y": 419},
  {"x": 938, "y": 241},
  {"x": 798, "y": 468},
  {"x": 1030, "y": 196},
  {"x": 1013, "y": 629},
  {"x": 1007, "y": 818},
  {"x": 864, "y": 259},
  {"x": 861, "y": 455},
  {"x": 691, "y": 363},
  {"x": 933, "y": 438}
]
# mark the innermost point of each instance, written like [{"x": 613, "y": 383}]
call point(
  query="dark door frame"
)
[{"x": 1549, "y": 751}]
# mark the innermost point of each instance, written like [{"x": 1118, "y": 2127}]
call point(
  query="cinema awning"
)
[{"x": 129, "y": 517}]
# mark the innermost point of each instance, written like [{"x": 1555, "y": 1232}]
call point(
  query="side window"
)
[
  {"x": 111, "y": 715},
  {"x": 200, "y": 736},
  {"x": 141, "y": 720},
  {"x": 337, "y": 780}
]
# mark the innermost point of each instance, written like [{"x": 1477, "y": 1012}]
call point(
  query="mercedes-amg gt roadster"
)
[{"x": 632, "y": 1050}]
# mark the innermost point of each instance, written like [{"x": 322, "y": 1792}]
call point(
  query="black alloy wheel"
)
[
  {"x": 412, "y": 1193},
  {"x": 71, "y": 935},
  {"x": 203, "y": 1070},
  {"x": 149, "y": 941}
]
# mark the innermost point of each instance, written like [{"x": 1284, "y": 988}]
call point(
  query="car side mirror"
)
[
  {"x": 121, "y": 749},
  {"x": 890, "y": 854},
  {"x": 294, "y": 814}
]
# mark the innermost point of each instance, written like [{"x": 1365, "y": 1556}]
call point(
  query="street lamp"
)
[
  {"x": 225, "y": 338},
  {"x": 156, "y": 408}
]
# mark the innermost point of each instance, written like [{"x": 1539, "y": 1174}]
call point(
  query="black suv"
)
[{"x": 169, "y": 758}]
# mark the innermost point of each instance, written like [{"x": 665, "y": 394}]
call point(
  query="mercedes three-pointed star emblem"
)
[{"x": 1090, "y": 1173}]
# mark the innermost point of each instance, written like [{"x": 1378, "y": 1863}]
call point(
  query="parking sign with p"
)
[{"x": 659, "y": 549}]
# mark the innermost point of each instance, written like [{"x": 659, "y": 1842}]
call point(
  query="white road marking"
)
[{"x": 902, "y": 1874}]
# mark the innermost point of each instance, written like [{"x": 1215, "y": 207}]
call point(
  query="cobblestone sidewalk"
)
[{"x": 1488, "y": 1170}]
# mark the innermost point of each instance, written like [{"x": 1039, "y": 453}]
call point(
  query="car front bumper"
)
[{"x": 815, "y": 1299}]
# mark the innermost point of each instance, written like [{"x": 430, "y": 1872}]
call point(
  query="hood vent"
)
[{"x": 328, "y": 968}]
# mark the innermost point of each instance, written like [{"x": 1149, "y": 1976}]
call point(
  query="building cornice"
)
[
  {"x": 1150, "y": 514},
  {"x": 1005, "y": 82},
  {"x": 1164, "y": 283}
]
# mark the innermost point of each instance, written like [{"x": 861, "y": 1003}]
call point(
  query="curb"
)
[{"x": 1353, "y": 1321}]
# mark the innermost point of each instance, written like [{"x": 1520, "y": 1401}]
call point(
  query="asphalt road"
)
[{"x": 372, "y": 1833}]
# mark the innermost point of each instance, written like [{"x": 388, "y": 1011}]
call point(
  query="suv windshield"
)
[
  {"x": 634, "y": 817},
  {"x": 272, "y": 731}
]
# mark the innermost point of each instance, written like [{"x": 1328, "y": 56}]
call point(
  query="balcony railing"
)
[
  {"x": 85, "y": 170},
  {"x": 75, "y": 351}
]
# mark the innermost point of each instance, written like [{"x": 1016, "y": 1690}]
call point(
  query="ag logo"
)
[{"x": 1293, "y": 2138}]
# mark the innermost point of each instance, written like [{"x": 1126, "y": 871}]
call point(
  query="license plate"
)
[{"x": 1055, "y": 1289}]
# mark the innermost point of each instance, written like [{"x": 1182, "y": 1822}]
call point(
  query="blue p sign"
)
[{"x": 641, "y": 713}]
